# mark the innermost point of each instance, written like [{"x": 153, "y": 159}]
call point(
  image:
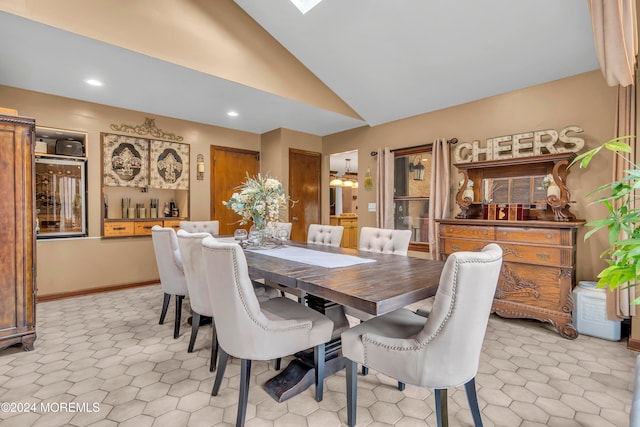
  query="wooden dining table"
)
[{"x": 388, "y": 283}]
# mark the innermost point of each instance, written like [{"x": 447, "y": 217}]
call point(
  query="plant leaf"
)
[{"x": 618, "y": 144}]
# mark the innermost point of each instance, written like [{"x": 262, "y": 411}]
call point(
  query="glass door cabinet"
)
[{"x": 60, "y": 197}]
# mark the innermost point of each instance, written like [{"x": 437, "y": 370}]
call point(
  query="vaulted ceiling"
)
[{"x": 381, "y": 60}]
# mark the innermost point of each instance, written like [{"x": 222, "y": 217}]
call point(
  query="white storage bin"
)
[{"x": 590, "y": 312}]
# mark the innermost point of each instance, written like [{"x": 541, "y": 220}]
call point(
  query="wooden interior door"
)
[
  {"x": 304, "y": 186},
  {"x": 229, "y": 168}
]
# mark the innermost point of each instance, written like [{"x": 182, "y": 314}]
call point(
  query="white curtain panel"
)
[
  {"x": 616, "y": 39},
  {"x": 384, "y": 195},
  {"x": 440, "y": 190}
]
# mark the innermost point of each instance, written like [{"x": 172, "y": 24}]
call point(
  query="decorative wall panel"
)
[
  {"x": 125, "y": 161},
  {"x": 169, "y": 165}
]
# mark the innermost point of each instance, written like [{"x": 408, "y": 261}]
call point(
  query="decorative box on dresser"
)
[
  {"x": 17, "y": 237},
  {"x": 532, "y": 223}
]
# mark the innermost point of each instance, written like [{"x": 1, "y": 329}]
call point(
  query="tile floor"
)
[{"x": 107, "y": 355}]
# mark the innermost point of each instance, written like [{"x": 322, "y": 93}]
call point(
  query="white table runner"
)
[{"x": 317, "y": 258}]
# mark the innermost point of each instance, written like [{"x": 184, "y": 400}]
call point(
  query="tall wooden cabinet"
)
[{"x": 17, "y": 240}]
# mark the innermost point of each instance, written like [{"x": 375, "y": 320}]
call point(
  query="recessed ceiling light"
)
[
  {"x": 305, "y": 6},
  {"x": 232, "y": 114},
  {"x": 93, "y": 82}
]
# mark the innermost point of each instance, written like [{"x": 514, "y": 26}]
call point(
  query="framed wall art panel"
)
[
  {"x": 125, "y": 161},
  {"x": 169, "y": 165}
]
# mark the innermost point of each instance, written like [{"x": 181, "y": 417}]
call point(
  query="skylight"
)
[
  {"x": 93, "y": 82},
  {"x": 305, "y": 6}
]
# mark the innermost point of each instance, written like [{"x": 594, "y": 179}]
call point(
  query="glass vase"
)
[{"x": 260, "y": 237}]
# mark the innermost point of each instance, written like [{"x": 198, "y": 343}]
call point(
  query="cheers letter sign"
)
[{"x": 525, "y": 144}]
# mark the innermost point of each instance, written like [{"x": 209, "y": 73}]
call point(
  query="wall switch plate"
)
[{"x": 371, "y": 207}]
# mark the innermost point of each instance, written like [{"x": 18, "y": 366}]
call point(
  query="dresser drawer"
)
[
  {"x": 172, "y": 223},
  {"x": 346, "y": 223},
  {"x": 528, "y": 254},
  {"x": 112, "y": 229},
  {"x": 467, "y": 231},
  {"x": 547, "y": 236},
  {"x": 456, "y": 245},
  {"x": 144, "y": 227},
  {"x": 536, "y": 255}
]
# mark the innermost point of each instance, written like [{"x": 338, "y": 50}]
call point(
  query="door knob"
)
[{"x": 294, "y": 218}]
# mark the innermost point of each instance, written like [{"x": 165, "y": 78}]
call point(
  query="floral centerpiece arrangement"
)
[{"x": 260, "y": 200}]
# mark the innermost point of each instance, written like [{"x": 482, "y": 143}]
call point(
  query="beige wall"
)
[
  {"x": 74, "y": 264},
  {"x": 584, "y": 100}
]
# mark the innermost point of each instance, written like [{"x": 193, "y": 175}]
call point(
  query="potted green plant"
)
[{"x": 619, "y": 197}]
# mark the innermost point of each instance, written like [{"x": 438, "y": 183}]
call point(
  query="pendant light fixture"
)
[
  {"x": 345, "y": 181},
  {"x": 335, "y": 182}
]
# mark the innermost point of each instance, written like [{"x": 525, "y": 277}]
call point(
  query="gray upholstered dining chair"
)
[
  {"x": 169, "y": 261},
  {"x": 380, "y": 240},
  {"x": 191, "y": 249},
  {"x": 384, "y": 241},
  {"x": 212, "y": 227},
  {"x": 437, "y": 352},
  {"x": 634, "y": 414},
  {"x": 328, "y": 235},
  {"x": 275, "y": 227},
  {"x": 250, "y": 330}
]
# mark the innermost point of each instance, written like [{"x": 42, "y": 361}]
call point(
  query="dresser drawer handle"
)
[
  {"x": 119, "y": 228},
  {"x": 549, "y": 235},
  {"x": 455, "y": 247},
  {"x": 543, "y": 257},
  {"x": 148, "y": 227}
]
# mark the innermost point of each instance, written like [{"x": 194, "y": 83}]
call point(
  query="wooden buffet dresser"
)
[
  {"x": 17, "y": 236},
  {"x": 522, "y": 204},
  {"x": 538, "y": 271}
]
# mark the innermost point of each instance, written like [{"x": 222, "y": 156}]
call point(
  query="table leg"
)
[{"x": 300, "y": 373}]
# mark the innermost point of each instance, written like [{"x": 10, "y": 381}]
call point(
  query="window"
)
[{"x": 412, "y": 184}]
